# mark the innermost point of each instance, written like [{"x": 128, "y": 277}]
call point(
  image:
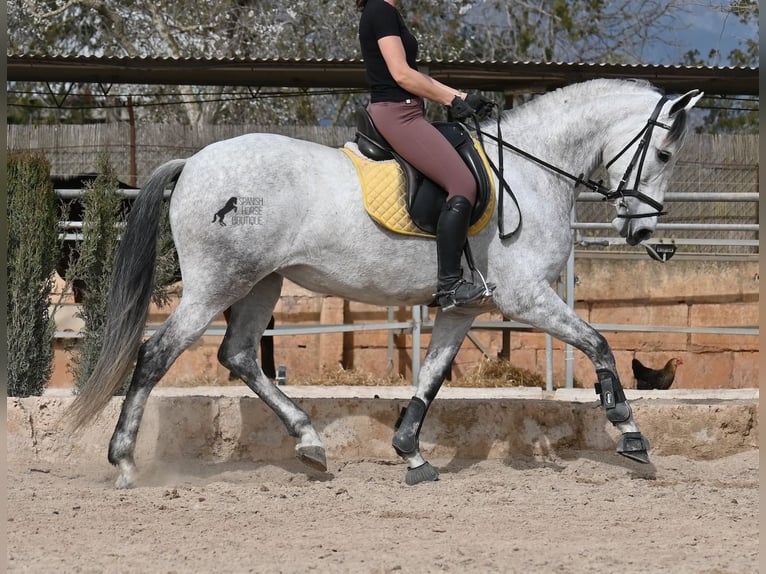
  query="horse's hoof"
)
[
  {"x": 126, "y": 478},
  {"x": 313, "y": 456},
  {"x": 634, "y": 446},
  {"x": 122, "y": 483},
  {"x": 637, "y": 455},
  {"x": 423, "y": 473}
]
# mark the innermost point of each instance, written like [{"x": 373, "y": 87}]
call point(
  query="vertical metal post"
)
[
  {"x": 132, "y": 133},
  {"x": 390, "y": 342},
  {"x": 548, "y": 362},
  {"x": 416, "y": 325},
  {"x": 505, "y": 349},
  {"x": 561, "y": 292},
  {"x": 570, "y": 299}
]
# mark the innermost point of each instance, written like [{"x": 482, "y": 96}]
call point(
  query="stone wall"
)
[
  {"x": 680, "y": 293},
  {"x": 217, "y": 425}
]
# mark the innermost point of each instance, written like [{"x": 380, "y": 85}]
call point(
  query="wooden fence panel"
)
[{"x": 74, "y": 149}]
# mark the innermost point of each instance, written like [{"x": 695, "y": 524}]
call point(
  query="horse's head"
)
[{"x": 643, "y": 167}]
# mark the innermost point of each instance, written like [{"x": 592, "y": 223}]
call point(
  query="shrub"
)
[
  {"x": 167, "y": 270},
  {"x": 102, "y": 217},
  {"x": 32, "y": 251}
]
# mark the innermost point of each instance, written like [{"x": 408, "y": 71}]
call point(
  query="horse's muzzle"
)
[
  {"x": 639, "y": 236},
  {"x": 633, "y": 230}
]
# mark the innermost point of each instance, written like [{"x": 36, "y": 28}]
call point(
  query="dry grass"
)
[
  {"x": 350, "y": 377},
  {"x": 487, "y": 374},
  {"x": 500, "y": 373},
  {"x": 204, "y": 380}
]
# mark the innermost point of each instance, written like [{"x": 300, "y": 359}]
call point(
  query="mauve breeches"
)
[{"x": 406, "y": 129}]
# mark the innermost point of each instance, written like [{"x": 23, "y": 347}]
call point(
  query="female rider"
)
[{"x": 397, "y": 94}]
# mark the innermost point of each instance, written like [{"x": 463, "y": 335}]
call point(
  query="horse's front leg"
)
[
  {"x": 448, "y": 334},
  {"x": 545, "y": 310}
]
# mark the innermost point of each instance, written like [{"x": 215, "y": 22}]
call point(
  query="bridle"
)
[
  {"x": 616, "y": 195},
  {"x": 639, "y": 157}
]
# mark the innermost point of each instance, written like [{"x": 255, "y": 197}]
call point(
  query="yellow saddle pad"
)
[{"x": 385, "y": 197}]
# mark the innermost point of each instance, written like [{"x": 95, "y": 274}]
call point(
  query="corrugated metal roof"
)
[{"x": 338, "y": 73}]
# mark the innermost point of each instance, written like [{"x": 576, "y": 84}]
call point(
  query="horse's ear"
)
[{"x": 685, "y": 102}]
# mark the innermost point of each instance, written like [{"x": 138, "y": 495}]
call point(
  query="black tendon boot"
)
[{"x": 451, "y": 235}]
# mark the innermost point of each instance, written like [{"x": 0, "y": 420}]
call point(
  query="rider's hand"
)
[
  {"x": 482, "y": 105},
  {"x": 461, "y": 109}
]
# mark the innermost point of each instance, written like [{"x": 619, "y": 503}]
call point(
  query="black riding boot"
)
[{"x": 451, "y": 235}]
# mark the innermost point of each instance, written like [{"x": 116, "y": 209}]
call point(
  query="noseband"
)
[{"x": 620, "y": 193}]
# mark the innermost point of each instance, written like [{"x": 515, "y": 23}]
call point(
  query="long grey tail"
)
[{"x": 129, "y": 297}]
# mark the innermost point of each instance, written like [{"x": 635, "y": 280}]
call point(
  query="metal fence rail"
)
[
  {"x": 713, "y": 224},
  {"x": 417, "y": 327}
]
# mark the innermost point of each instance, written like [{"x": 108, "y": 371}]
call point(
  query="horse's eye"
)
[{"x": 663, "y": 156}]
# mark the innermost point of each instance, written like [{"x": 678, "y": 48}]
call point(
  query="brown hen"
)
[{"x": 648, "y": 378}]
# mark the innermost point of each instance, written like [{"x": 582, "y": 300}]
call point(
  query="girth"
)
[{"x": 425, "y": 198}]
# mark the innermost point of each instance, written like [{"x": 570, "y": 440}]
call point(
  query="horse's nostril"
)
[
  {"x": 645, "y": 234},
  {"x": 639, "y": 236}
]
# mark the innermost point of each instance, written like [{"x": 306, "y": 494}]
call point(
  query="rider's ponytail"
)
[{"x": 360, "y": 4}]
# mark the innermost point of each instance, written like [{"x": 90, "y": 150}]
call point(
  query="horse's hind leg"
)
[
  {"x": 155, "y": 357},
  {"x": 549, "y": 313},
  {"x": 448, "y": 334},
  {"x": 267, "y": 350},
  {"x": 249, "y": 318}
]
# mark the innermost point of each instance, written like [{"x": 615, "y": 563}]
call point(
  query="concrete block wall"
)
[{"x": 682, "y": 293}]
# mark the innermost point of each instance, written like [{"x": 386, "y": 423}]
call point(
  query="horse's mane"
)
[
  {"x": 561, "y": 97},
  {"x": 597, "y": 87}
]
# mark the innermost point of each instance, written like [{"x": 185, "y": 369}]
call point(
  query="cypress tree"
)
[
  {"x": 32, "y": 251},
  {"x": 102, "y": 219}
]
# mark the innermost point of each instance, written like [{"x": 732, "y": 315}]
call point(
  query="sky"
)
[{"x": 706, "y": 30}]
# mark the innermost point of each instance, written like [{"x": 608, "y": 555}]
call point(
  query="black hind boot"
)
[{"x": 451, "y": 235}]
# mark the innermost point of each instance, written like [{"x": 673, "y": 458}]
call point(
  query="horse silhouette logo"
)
[{"x": 231, "y": 205}]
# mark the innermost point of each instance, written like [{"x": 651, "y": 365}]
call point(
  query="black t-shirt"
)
[{"x": 379, "y": 19}]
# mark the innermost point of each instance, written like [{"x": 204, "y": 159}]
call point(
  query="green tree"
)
[
  {"x": 611, "y": 31},
  {"x": 102, "y": 218},
  {"x": 167, "y": 270},
  {"x": 32, "y": 251},
  {"x": 229, "y": 28}
]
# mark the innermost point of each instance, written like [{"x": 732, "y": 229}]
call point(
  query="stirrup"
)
[{"x": 447, "y": 298}]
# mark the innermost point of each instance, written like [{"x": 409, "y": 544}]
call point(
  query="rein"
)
[{"x": 597, "y": 186}]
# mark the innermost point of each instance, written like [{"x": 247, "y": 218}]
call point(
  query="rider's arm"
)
[{"x": 410, "y": 79}]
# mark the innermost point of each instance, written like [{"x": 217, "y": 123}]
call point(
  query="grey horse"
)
[{"x": 300, "y": 216}]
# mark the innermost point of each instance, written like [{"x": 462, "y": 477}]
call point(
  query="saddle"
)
[{"x": 424, "y": 197}]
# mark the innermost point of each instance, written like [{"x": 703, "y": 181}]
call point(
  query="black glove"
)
[
  {"x": 482, "y": 105},
  {"x": 461, "y": 109}
]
